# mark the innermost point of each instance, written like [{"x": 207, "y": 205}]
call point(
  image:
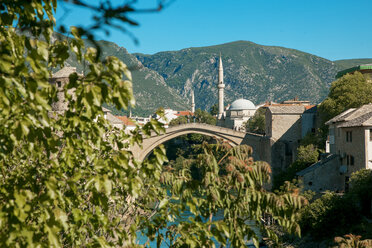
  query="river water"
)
[{"x": 143, "y": 239}]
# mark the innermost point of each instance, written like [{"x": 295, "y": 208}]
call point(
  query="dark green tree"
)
[
  {"x": 257, "y": 123},
  {"x": 71, "y": 180},
  {"x": 349, "y": 91},
  {"x": 202, "y": 116},
  {"x": 178, "y": 121},
  {"x": 306, "y": 156},
  {"x": 361, "y": 190},
  {"x": 214, "y": 109}
]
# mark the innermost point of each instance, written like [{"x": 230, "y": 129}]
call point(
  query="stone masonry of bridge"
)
[{"x": 261, "y": 145}]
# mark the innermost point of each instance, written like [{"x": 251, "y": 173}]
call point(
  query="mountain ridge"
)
[
  {"x": 252, "y": 71},
  {"x": 248, "y": 68}
]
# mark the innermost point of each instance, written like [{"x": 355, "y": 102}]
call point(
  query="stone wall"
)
[
  {"x": 324, "y": 175},
  {"x": 285, "y": 132},
  {"x": 286, "y": 127}
]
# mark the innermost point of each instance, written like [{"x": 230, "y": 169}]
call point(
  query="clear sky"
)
[{"x": 333, "y": 29}]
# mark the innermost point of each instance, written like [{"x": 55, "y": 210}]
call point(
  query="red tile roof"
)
[
  {"x": 184, "y": 113},
  {"x": 126, "y": 120},
  {"x": 309, "y": 107}
]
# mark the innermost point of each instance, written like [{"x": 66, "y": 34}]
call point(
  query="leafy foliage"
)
[
  {"x": 349, "y": 91},
  {"x": 306, "y": 156},
  {"x": 328, "y": 216},
  {"x": 62, "y": 181},
  {"x": 214, "y": 109},
  {"x": 202, "y": 116},
  {"x": 69, "y": 179},
  {"x": 334, "y": 214},
  {"x": 179, "y": 121},
  {"x": 361, "y": 190},
  {"x": 257, "y": 123},
  {"x": 352, "y": 241},
  {"x": 230, "y": 181}
]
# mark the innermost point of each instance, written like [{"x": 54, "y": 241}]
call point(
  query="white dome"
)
[{"x": 241, "y": 104}]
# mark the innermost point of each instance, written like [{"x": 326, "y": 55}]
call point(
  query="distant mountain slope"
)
[
  {"x": 255, "y": 72},
  {"x": 150, "y": 89},
  {"x": 252, "y": 71},
  {"x": 348, "y": 63}
]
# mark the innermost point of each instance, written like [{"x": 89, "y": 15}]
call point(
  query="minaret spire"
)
[
  {"x": 221, "y": 87},
  {"x": 192, "y": 102}
]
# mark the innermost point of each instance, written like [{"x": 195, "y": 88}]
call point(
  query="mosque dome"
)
[{"x": 241, "y": 104}]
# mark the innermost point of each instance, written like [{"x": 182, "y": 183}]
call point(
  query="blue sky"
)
[{"x": 333, "y": 29}]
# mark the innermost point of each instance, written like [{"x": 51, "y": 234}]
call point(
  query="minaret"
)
[
  {"x": 221, "y": 87},
  {"x": 192, "y": 102}
]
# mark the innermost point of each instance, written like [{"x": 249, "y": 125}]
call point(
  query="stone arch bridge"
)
[{"x": 261, "y": 145}]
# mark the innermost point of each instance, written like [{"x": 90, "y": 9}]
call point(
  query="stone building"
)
[
  {"x": 350, "y": 149},
  {"x": 284, "y": 126},
  {"x": 114, "y": 121},
  {"x": 60, "y": 79}
]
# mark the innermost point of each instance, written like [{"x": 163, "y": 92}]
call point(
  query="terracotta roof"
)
[
  {"x": 286, "y": 109},
  {"x": 311, "y": 109},
  {"x": 354, "y": 117},
  {"x": 309, "y": 106},
  {"x": 64, "y": 72},
  {"x": 126, "y": 120},
  {"x": 184, "y": 113}
]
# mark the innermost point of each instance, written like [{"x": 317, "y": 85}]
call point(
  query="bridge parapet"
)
[
  {"x": 202, "y": 126},
  {"x": 260, "y": 144}
]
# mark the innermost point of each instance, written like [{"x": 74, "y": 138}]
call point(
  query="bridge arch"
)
[{"x": 150, "y": 143}]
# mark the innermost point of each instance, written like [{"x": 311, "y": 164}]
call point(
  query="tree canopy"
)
[
  {"x": 349, "y": 91},
  {"x": 70, "y": 179},
  {"x": 257, "y": 123},
  {"x": 214, "y": 109}
]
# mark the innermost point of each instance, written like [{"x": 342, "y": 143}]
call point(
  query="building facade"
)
[{"x": 349, "y": 150}]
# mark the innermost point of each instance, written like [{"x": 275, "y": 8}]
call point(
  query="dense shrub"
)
[
  {"x": 361, "y": 190},
  {"x": 329, "y": 216}
]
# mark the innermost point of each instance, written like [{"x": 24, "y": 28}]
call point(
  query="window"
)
[
  {"x": 349, "y": 136},
  {"x": 349, "y": 160},
  {"x": 370, "y": 134},
  {"x": 347, "y": 183},
  {"x": 59, "y": 84}
]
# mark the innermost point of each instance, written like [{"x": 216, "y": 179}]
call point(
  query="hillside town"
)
[
  {"x": 349, "y": 143},
  {"x": 185, "y": 132}
]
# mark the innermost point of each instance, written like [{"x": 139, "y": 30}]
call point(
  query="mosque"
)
[
  {"x": 238, "y": 112},
  {"x": 233, "y": 116}
]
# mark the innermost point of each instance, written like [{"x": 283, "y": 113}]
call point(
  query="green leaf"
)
[{"x": 163, "y": 203}]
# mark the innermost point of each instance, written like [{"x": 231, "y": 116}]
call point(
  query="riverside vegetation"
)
[{"x": 70, "y": 180}]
